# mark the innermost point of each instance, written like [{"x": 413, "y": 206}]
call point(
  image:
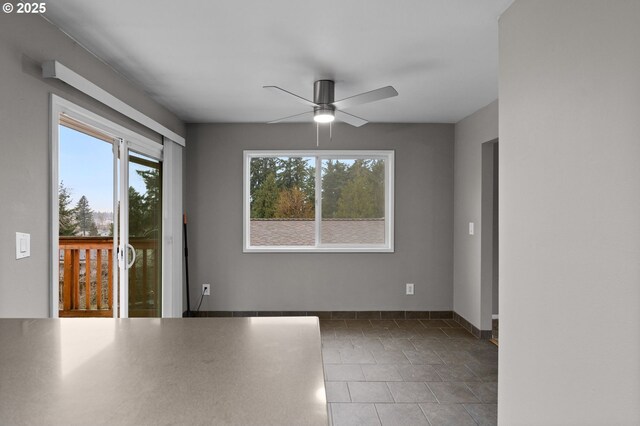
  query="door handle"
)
[{"x": 133, "y": 258}]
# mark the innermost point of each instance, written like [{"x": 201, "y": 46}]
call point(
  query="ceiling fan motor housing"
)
[
  {"x": 323, "y": 91},
  {"x": 323, "y": 95}
]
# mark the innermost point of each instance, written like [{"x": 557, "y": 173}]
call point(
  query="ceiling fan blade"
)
[
  {"x": 289, "y": 117},
  {"x": 350, "y": 119},
  {"x": 298, "y": 98},
  {"x": 363, "y": 98}
]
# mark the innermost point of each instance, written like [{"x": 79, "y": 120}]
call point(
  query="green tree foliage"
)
[
  {"x": 309, "y": 185},
  {"x": 356, "y": 200},
  {"x": 377, "y": 186},
  {"x": 335, "y": 174},
  {"x": 292, "y": 173},
  {"x": 260, "y": 169},
  {"x": 265, "y": 200},
  {"x": 293, "y": 203},
  {"x": 353, "y": 189},
  {"x": 66, "y": 215},
  {"x": 137, "y": 213},
  {"x": 145, "y": 209},
  {"x": 84, "y": 217},
  {"x": 270, "y": 176},
  {"x": 151, "y": 178},
  {"x": 284, "y": 187}
]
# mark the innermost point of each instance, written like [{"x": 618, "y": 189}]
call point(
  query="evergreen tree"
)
[
  {"x": 377, "y": 183},
  {"x": 93, "y": 229},
  {"x": 292, "y": 172},
  {"x": 270, "y": 176},
  {"x": 263, "y": 205},
  {"x": 151, "y": 205},
  {"x": 66, "y": 215},
  {"x": 151, "y": 178},
  {"x": 335, "y": 174},
  {"x": 362, "y": 196},
  {"x": 84, "y": 216},
  {"x": 309, "y": 185},
  {"x": 260, "y": 168},
  {"x": 356, "y": 199},
  {"x": 138, "y": 214}
]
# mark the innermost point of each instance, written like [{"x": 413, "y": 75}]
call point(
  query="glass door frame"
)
[
  {"x": 124, "y": 140},
  {"x": 125, "y": 146}
]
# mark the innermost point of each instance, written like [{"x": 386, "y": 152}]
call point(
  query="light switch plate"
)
[
  {"x": 471, "y": 228},
  {"x": 23, "y": 245}
]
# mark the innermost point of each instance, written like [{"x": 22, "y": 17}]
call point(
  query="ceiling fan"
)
[{"x": 325, "y": 109}]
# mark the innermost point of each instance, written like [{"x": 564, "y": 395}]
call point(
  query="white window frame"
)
[{"x": 389, "y": 160}]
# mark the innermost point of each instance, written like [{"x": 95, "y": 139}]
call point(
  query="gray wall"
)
[
  {"x": 322, "y": 281},
  {"x": 570, "y": 213},
  {"x": 25, "y": 42},
  {"x": 470, "y": 134}
]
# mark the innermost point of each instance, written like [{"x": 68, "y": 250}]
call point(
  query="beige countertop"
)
[{"x": 143, "y": 371}]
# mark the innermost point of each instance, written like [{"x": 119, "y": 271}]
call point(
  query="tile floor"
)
[{"x": 408, "y": 372}]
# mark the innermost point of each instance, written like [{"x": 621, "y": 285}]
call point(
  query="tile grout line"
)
[
  {"x": 425, "y": 414},
  {"x": 472, "y": 392},
  {"x": 375, "y": 407},
  {"x": 472, "y": 418},
  {"x": 473, "y": 372},
  {"x": 390, "y": 393},
  {"x": 349, "y": 391},
  {"x": 432, "y": 392},
  {"x": 440, "y": 358}
]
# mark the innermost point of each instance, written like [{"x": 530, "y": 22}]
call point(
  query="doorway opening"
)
[
  {"x": 489, "y": 250},
  {"x": 86, "y": 224},
  {"x": 107, "y": 225}
]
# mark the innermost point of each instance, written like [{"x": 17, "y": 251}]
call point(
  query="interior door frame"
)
[{"x": 125, "y": 139}]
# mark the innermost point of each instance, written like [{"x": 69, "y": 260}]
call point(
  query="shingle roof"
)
[{"x": 287, "y": 232}]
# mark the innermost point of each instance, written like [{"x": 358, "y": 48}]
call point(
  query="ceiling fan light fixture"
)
[
  {"x": 324, "y": 117},
  {"x": 323, "y": 114}
]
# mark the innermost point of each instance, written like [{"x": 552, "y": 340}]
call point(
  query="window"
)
[{"x": 318, "y": 201}]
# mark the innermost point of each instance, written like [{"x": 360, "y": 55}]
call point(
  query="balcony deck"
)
[{"x": 86, "y": 277}]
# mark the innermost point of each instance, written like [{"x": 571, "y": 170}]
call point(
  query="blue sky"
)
[{"x": 86, "y": 168}]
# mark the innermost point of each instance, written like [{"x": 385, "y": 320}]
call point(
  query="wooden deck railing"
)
[
  {"x": 86, "y": 277},
  {"x": 144, "y": 286}
]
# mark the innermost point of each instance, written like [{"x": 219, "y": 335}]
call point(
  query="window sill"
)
[{"x": 325, "y": 249}]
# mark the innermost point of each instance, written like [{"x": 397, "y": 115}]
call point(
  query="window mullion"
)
[{"x": 318, "y": 192}]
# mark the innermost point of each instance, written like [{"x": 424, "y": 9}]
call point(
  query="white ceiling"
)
[{"x": 207, "y": 60}]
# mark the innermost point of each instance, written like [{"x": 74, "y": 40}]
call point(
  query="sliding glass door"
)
[
  {"x": 86, "y": 194},
  {"x": 145, "y": 235},
  {"x": 108, "y": 252}
]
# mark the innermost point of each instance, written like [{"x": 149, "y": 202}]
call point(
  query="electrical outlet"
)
[
  {"x": 206, "y": 289},
  {"x": 409, "y": 289}
]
